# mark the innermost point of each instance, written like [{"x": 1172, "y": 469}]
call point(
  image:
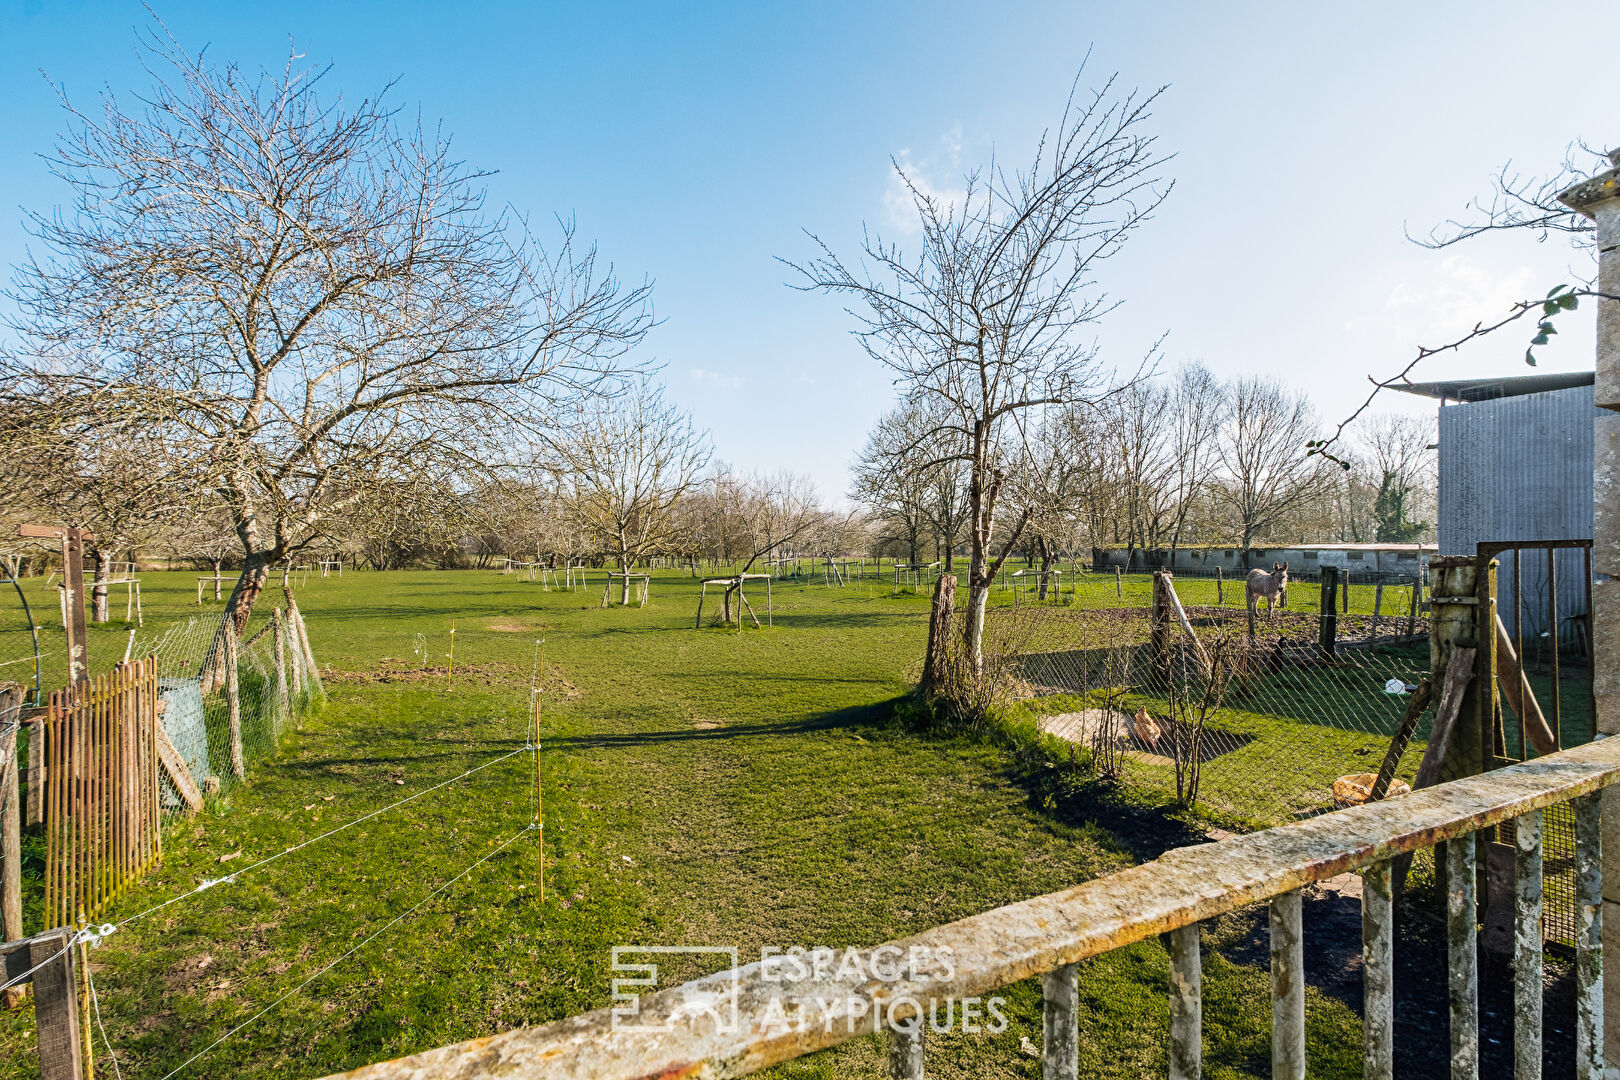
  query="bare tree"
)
[
  {"x": 895, "y": 478},
  {"x": 300, "y": 291},
  {"x": 1265, "y": 473},
  {"x": 625, "y": 464},
  {"x": 986, "y": 321},
  {"x": 1519, "y": 202},
  {"x": 1195, "y": 397},
  {"x": 1401, "y": 474}
]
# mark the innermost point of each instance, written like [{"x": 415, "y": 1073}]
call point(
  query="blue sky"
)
[{"x": 695, "y": 143}]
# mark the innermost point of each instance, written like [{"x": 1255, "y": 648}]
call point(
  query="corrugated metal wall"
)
[{"x": 1520, "y": 468}]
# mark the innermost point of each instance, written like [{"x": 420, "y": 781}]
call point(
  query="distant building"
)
[
  {"x": 1516, "y": 464},
  {"x": 1390, "y": 560}
]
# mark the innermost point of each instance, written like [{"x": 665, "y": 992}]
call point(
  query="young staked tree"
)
[
  {"x": 625, "y": 464},
  {"x": 990, "y": 318},
  {"x": 762, "y": 514},
  {"x": 299, "y": 290}
]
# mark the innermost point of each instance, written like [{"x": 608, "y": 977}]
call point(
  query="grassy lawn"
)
[{"x": 700, "y": 787}]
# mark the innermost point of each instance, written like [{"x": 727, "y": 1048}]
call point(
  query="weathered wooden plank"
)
[
  {"x": 1589, "y": 938},
  {"x": 56, "y": 1007},
  {"x": 1402, "y": 738},
  {"x": 1378, "y": 972},
  {"x": 179, "y": 772},
  {"x": 1287, "y": 987},
  {"x": 1520, "y": 698},
  {"x": 1459, "y": 671},
  {"x": 1186, "y": 1004},
  {"x": 906, "y": 1051},
  {"x": 1463, "y": 957},
  {"x": 1060, "y": 1024},
  {"x": 1527, "y": 989}
]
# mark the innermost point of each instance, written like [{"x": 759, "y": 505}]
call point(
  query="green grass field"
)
[{"x": 708, "y": 787}]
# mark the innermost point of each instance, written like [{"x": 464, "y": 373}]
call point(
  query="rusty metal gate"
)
[{"x": 1544, "y": 630}]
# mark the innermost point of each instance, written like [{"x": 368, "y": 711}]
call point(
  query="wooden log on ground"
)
[{"x": 179, "y": 773}]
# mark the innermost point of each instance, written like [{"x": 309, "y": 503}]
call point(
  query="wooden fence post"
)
[
  {"x": 1160, "y": 635},
  {"x": 1378, "y": 606},
  {"x": 1220, "y": 587},
  {"x": 233, "y": 703},
  {"x": 1411, "y": 611},
  {"x": 1119, "y": 581},
  {"x": 1453, "y": 624},
  {"x": 11, "y": 927},
  {"x": 1328, "y": 630},
  {"x": 56, "y": 1006},
  {"x": 278, "y": 637}
]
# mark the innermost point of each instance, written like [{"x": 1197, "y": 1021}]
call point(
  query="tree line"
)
[{"x": 1161, "y": 463}]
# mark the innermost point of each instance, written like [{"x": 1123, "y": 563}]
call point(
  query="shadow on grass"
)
[{"x": 871, "y": 717}]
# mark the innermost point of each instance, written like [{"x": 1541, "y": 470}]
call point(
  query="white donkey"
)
[{"x": 1272, "y": 585}]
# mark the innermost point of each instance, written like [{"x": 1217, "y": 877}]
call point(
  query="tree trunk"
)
[
  {"x": 238, "y": 610},
  {"x": 936, "y": 667},
  {"x": 98, "y": 589},
  {"x": 1048, "y": 556}
]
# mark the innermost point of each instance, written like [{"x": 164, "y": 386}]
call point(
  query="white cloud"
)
[
  {"x": 937, "y": 177},
  {"x": 1461, "y": 292},
  {"x": 716, "y": 378}
]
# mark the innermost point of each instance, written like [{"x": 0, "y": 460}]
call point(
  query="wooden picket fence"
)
[{"x": 101, "y": 795}]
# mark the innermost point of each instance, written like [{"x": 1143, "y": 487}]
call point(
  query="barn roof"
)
[{"x": 1457, "y": 390}]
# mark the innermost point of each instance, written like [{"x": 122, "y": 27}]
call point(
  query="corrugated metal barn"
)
[{"x": 1516, "y": 464}]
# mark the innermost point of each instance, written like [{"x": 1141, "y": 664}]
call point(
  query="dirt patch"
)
[
  {"x": 707, "y": 725},
  {"x": 405, "y": 671},
  {"x": 509, "y": 628},
  {"x": 1087, "y": 726}
]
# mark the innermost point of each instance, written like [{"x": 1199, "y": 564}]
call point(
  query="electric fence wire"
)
[
  {"x": 228, "y": 879},
  {"x": 363, "y": 943},
  {"x": 95, "y": 1006}
]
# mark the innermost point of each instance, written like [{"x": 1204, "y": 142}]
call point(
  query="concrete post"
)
[{"x": 1599, "y": 199}]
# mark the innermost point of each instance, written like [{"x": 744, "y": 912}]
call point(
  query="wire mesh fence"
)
[
  {"x": 198, "y": 714},
  {"x": 1262, "y": 731},
  {"x": 1260, "y": 719}
]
